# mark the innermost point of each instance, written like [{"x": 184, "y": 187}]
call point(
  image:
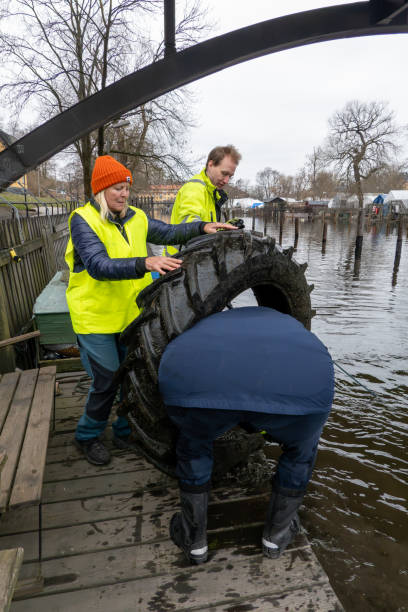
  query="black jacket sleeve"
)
[
  {"x": 90, "y": 254},
  {"x": 164, "y": 233}
]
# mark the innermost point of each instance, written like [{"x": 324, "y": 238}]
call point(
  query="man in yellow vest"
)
[
  {"x": 109, "y": 266},
  {"x": 201, "y": 197}
]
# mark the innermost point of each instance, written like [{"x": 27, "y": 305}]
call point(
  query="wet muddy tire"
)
[{"x": 216, "y": 268}]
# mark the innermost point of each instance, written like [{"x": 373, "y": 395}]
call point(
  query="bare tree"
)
[
  {"x": 300, "y": 184},
  {"x": 66, "y": 50},
  {"x": 362, "y": 139},
  {"x": 392, "y": 176},
  {"x": 268, "y": 183},
  {"x": 314, "y": 165}
]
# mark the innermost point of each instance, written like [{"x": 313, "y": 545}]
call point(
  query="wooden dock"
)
[{"x": 104, "y": 543}]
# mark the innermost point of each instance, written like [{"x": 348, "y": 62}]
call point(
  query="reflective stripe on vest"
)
[{"x": 106, "y": 306}]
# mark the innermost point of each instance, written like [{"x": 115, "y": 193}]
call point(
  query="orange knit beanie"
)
[{"x": 107, "y": 171}]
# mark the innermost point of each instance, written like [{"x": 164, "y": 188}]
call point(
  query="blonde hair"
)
[{"x": 105, "y": 212}]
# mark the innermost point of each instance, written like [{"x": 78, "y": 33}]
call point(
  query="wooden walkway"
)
[{"x": 105, "y": 545}]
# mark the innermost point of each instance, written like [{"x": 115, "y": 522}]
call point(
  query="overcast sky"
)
[{"x": 275, "y": 109}]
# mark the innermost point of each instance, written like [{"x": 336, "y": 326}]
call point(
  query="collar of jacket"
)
[
  {"x": 114, "y": 218},
  {"x": 219, "y": 195},
  {"x": 210, "y": 187}
]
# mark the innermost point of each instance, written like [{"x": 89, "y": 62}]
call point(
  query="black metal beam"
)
[
  {"x": 389, "y": 11},
  {"x": 169, "y": 27},
  {"x": 177, "y": 69}
]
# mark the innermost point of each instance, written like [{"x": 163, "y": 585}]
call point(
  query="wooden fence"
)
[{"x": 31, "y": 252}]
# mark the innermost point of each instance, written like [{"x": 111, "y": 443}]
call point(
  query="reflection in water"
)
[{"x": 356, "y": 511}]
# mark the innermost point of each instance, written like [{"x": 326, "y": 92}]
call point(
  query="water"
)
[{"x": 356, "y": 510}]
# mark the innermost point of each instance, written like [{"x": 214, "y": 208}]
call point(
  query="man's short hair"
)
[{"x": 217, "y": 154}]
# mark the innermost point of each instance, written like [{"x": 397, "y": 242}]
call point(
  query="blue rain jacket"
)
[{"x": 254, "y": 358}]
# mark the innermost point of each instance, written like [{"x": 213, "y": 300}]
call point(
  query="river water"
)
[{"x": 356, "y": 509}]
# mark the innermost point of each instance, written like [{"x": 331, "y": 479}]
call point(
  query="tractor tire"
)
[{"x": 216, "y": 268}]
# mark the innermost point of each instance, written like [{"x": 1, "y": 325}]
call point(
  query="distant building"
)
[
  {"x": 342, "y": 200},
  {"x": 244, "y": 202},
  {"x": 5, "y": 141},
  {"x": 277, "y": 203},
  {"x": 398, "y": 200},
  {"x": 317, "y": 204},
  {"x": 368, "y": 198},
  {"x": 162, "y": 194}
]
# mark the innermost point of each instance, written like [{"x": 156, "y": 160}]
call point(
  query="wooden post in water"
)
[
  {"x": 359, "y": 237},
  {"x": 7, "y": 358},
  {"x": 398, "y": 249},
  {"x": 324, "y": 237},
  {"x": 281, "y": 220},
  {"x": 296, "y": 232}
]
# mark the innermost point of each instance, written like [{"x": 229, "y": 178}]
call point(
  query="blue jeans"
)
[
  {"x": 298, "y": 436},
  {"x": 101, "y": 356}
]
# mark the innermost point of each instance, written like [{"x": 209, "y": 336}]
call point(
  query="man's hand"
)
[
  {"x": 211, "y": 228},
  {"x": 163, "y": 264}
]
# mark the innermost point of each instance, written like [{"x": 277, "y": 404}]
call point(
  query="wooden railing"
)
[{"x": 31, "y": 251}]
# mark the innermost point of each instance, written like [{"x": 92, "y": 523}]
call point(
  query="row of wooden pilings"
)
[{"x": 399, "y": 223}]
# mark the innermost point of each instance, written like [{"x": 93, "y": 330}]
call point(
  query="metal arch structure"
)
[{"x": 180, "y": 68}]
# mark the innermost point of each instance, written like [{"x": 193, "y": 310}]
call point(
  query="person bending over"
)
[{"x": 257, "y": 367}]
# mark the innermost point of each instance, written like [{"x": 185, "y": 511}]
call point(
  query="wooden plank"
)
[
  {"x": 58, "y": 439},
  {"x": 220, "y": 516},
  {"x": 212, "y": 584},
  {"x": 74, "y": 512},
  {"x": 8, "y": 384},
  {"x": 75, "y": 400},
  {"x": 13, "y": 432},
  {"x": 29, "y": 477},
  {"x": 10, "y": 562},
  {"x": 166, "y": 499},
  {"x": 27, "y": 587},
  {"x": 28, "y": 541},
  {"x": 19, "y": 521},
  {"x": 70, "y": 470},
  {"x": 68, "y": 452},
  {"x": 90, "y": 537},
  {"x": 85, "y": 488},
  {"x": 70, "y": 364},
  {"x": 318, "y": 598},
  {"x": 20, "y": 338},
  {"x": 138, "y": 562}
]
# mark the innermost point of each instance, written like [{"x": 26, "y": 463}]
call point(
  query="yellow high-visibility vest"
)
[
  {"x": 106, "y": 306},
  {"x": 194, "y": 202}
]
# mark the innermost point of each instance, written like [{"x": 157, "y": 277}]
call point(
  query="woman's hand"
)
[
  {"x": 163, "y": 264},
  {"x": 211, "y": 228}
]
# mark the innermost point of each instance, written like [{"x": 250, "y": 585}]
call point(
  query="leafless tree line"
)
[
  {"x": 359, "y": 155},
  {"x": 66, "y": 50}
]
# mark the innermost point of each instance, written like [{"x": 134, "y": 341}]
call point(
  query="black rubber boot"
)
[
  {"x": 282, "y": 521},
  {"x": 188, "y": 528}
]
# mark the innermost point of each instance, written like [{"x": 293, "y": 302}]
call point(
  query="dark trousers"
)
[
  {"x": 101, "y": 355},
  {"x": 298, "y": 436}
]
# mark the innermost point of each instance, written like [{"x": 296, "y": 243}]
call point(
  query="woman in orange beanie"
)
[{"x": 109, "y": 266}]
